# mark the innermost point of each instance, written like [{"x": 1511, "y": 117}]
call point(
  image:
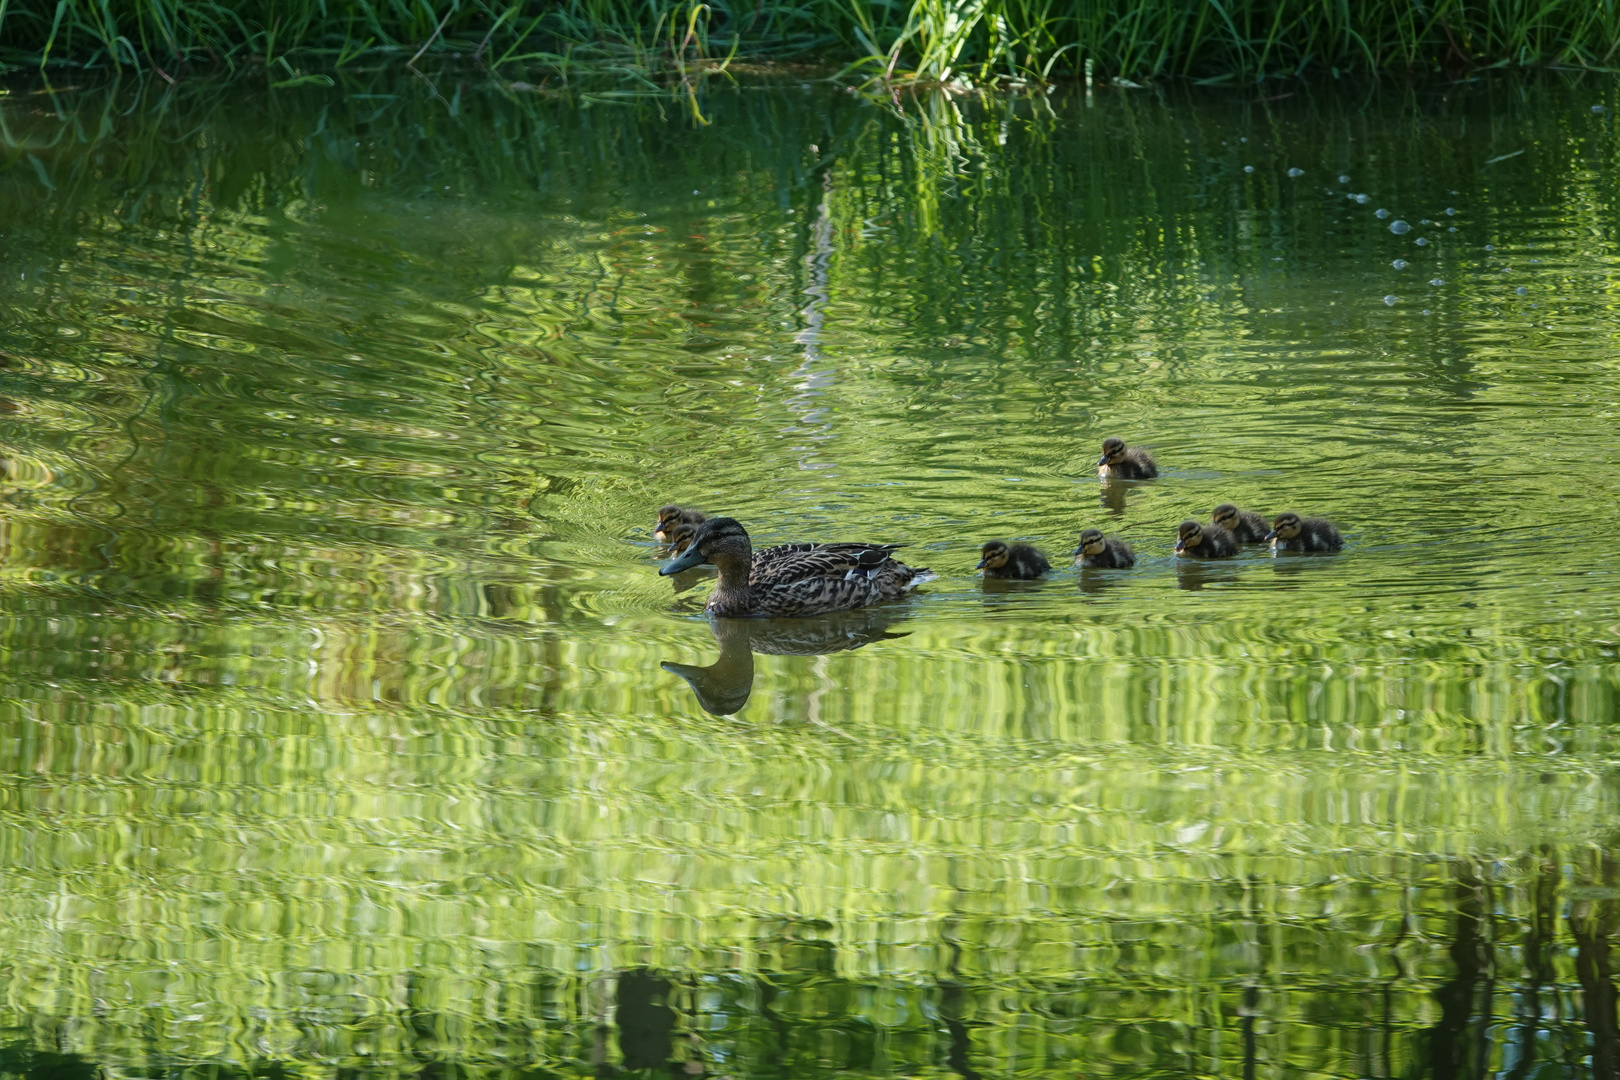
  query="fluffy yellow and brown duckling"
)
[
  {"x": 999, "y": 559},
  {"x": 797, "y": 579},
  {"x": 1290, "y": 532},
  {"x": 1204, "y": 541},
  {"x": 680, "y": 536},
  {"x": 1121, "y": 462},
  {"x": 672, "y": 515},
  {"x": 1100, "y": 551},
  {"x": 1246, "y": 526}
]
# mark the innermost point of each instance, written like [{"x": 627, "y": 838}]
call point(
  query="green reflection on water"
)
[{"x": 347, "y": 725}]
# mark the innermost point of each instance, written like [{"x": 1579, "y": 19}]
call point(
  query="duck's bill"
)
[
  {"x": 1077, "y": 552},
  {"x": 1102, "y": 461},
  {"x": 1180, "y": 547},
  {"x": 1272, "y": 535},
  {"x": 981, "y": 564},
  {"x": 684, "y": 561}
]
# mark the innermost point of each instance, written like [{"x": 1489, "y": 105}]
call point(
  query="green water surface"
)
[{"x": 336, "y": 736}]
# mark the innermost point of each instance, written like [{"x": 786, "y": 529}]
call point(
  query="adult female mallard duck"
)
[
  {"x": 672, "y": 515},
  {"x": 793, "y": 579},
  {"x": 1290, "y": 532},
  {"x": 999, "y": 559},
  {"x": 1246, "y": 526},
  {"x": 1204, "y": 541},
  {"x": 1099, "y": 551},
  {"x": 1120, "y": 462}
]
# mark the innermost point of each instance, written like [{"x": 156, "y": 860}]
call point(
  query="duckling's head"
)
[
  {"x": 721, "y": 541},
  {"x": 1286, "y": 526},
  {"x": 667, "y": 516},
  {"x": 1226, "y": 516},
  {"x": 995, "y": 555},
  {"x": 1091, "y": 543},
  {"x": 680, "y": 537},
  {"x": 1113, "y": 451},
  {"x": 1189, "y": 534}
]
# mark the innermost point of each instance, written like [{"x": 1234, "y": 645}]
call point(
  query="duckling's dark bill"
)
[{"x": 685, "y": 561}]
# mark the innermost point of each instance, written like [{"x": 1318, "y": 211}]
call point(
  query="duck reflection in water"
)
[{"x": 724, "y": 686}]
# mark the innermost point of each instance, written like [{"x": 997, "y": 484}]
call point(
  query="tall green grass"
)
[{"x": 892, "y": 40}]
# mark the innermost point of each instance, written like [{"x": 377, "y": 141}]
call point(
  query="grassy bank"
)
[{"x": 911, "y": 39}]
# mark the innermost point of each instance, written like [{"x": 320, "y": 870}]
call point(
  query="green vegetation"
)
[{"x": 928, "y": 40}]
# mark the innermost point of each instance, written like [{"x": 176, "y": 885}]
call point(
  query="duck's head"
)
[
  {"x": 994, "y": 555},
  {"x": 1189, "y": 534},
  {"x": 1286, "y": 526},
  {"x": 1091, "y": 543},
  {"x": 1226, "y": 516},
  {"x": 721, "y": 541},
  {"x": 667, "y": 517},
  {"x": 1113, "y": 451}
]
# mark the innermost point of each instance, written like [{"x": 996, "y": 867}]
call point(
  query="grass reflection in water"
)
[{"x": 347, "y": 725}]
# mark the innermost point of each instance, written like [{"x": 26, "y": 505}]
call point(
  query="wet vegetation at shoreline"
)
[{"x": 968, "y": 41}]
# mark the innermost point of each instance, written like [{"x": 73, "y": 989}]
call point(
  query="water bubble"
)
[
  {"x": 1490, "y": 247},
  {"x": 1425, "y": 221},
  {"x": 1522, "y": 290},
  {"x": 1296, "y": 172},
  {"x": 1380, "y": 213},
  {"x": 1597, "y": 108},
  {"x": 1362, "y": 199},
  {"x": 1426, "y": 311},
  {"x": 1248, "y": 168},
  {"x": 1344, "y": 179},
  {"x": 1452, "y": 229},
  {"x": 1244, "y": 138},
  {"x": 1400, "y": 264},
  {"x": 1399, "y": 227},
  {"x": 1437, "y": 281},
  {"x": 1392, "y": 300},
  {"x": 1535, "y": 260},
  {"x": 1451, "y": 211},
  {"x": 1421, "y": 241}
]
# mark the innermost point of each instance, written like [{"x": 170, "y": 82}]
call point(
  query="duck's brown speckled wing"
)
[
  {"x": 797, "y": 562},
  {"x": 817, "y": 595}
]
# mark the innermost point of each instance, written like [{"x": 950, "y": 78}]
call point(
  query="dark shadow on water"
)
[
  {"x": 1593, "y": 919},
  {"x": 724, "y": 686},
  {"x": 1452, "y": 1053}
]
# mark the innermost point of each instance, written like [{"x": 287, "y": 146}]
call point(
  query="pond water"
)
[{"x": 347, "y": 727}]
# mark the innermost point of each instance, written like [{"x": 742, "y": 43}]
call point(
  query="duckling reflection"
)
[
  {"x": 1111, "y": 495},
  {"x": 723, "y": 687},
  {"x": 1194, "y": 574}
]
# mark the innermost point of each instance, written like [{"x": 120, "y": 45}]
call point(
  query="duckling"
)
[
  {"x": 1003, "y": 560},
  {"x": 1204, "y": 541},
  {"x": 1290, "y": 532},
  {"x": 671, "y": 515},
  {"x": 799, "y": 579},
  {"x": 1246, "y": 526},
  {"x": 1121, "y": 463},
  {"x": 680, "y": 536},
  {"x": 1096, "y": 550}
]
